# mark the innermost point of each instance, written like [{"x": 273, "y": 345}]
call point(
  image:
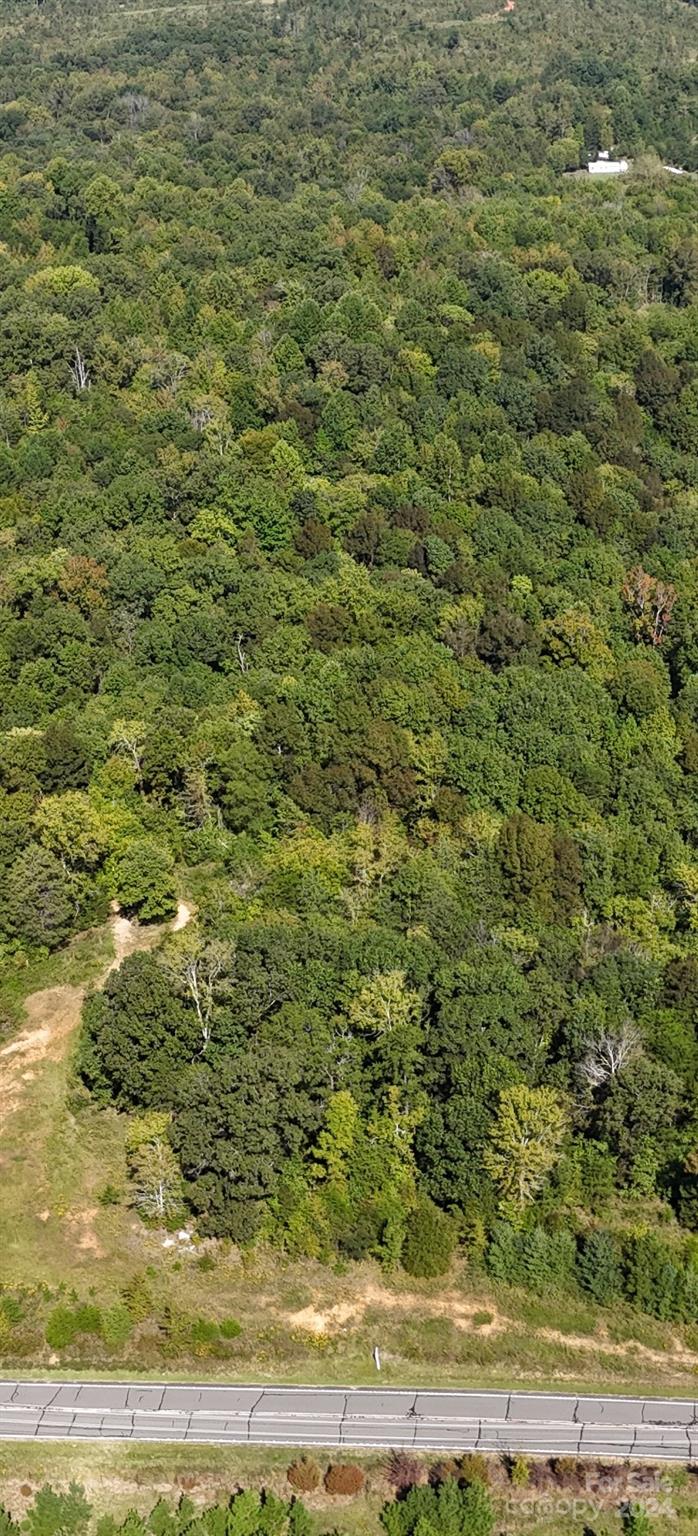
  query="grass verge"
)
[{"x": 119, "y": 1477}]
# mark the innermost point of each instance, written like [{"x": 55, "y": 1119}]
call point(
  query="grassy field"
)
[
  {"x": 120, "y": 1477},
  {"x": 81, "y": 963}
]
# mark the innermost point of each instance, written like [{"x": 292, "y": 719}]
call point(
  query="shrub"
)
[
  {"x": 636, "y": 1521},
  {"x": 403, "y": 1471},
  {"x": 568, "y": 1471},
  {"x": 61, "y": 1328},
  {"x": 344, "y": 1479},
  {"x": 88, "y": 1319},
  {"x": 138, "y": 1298},
  {"x": 520, "y": 1472},
  {"x": 230, "y": 1328},
  {"x": 429, "y": 1243},
  {"x": 481, "y": 1319},
  {"x": 11, "y": 1309},
  {"x": 204, "y": 1335},
  {"x": 475, "y": 1468},
  {"x": 65, "y": 1323},
  {"x": 109, "y": 1195},
  {"x": 446, "y": 1471},
  {"x": 303, "y": 1475},
  {"x": 117, "y": 1325}
]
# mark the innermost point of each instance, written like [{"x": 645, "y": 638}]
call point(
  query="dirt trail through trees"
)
[{"x": 53, "y": 1015}]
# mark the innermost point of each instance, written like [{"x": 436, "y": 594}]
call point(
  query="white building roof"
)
[{"x": 605, "y": 167}]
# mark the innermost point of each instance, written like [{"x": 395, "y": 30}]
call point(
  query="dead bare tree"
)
[
  {"x": 609, "y": 1053},
  {"x": 651, "y": 601},
  {"x": 204, "y": 971},
  {"x": 197, "y": 800},
  {"x": 125, "y": 624},
  {"x": 137, "y": 107},
  {"x": 80, "y": 373},
  {"x": 201, "y": 417},
  {"x": 128, "y": 738}
]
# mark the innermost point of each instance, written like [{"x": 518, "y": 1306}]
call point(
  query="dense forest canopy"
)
[{"x": 348, "y": 468}]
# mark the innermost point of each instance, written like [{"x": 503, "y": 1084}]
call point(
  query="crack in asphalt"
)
[
  {"x": 250, "y": 1412},
  {"x": 629, "y": 1428}
]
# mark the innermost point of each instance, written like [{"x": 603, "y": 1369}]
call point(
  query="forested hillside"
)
[{"x": 349, "y": 520}]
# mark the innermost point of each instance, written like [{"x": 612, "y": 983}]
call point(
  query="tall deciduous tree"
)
[{"x": 525, "y": 1141}]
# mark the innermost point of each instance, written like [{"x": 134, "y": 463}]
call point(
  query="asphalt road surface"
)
[{"x": 329, "y": 1417}]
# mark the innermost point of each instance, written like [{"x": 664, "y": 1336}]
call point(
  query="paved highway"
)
[{"x": 329, "y": 1417}]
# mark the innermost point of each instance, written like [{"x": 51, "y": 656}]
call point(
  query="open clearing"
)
[{"x": 51, "y": 1161}]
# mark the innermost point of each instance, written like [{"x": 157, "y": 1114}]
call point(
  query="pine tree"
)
[{"x": 34, "y": 413}]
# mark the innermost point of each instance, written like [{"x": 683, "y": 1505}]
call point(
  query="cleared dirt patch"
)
[
  {"x": 371, "y": 1297},
  {"x": 54, "y": 1165},
  {"x": 185, "y": 912},
  {"x": 52, "y": 1016}
]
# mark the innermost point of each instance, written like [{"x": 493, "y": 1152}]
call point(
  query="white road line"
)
[{"x": 356, "y": 1417}]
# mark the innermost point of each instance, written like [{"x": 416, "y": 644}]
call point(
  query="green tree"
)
[
  {"x": 39, "y": 901},
  {"x": 636, "y": 1521},
  {"x": 525, "y": 1141},
  {"x": 429, "y": 1242},
  {"x": 599, "y": 1267},
  {"x": 447, "y": 1509},
  {"x": 141, "y": 876},
  {"x": 55, "y": 1513},
  {"x": 138, "y": 1037},
  {"x": 71, "y": 827},
  {"x": 528, "y": 864}
]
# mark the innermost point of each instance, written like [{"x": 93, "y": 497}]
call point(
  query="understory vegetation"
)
[
  {"x": 466, "y": 1497},
  {"x": 349, "y": 588}
]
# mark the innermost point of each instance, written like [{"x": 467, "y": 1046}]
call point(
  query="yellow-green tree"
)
[
  {"x": 525, "y": 1142},
  {"x": 383, "y": 1004}
]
